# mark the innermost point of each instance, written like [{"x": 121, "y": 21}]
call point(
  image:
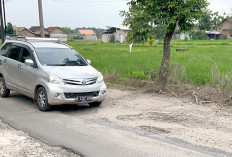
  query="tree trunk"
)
[{"x": 164, "y": 69}]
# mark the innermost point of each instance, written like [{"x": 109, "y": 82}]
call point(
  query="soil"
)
[
  {"x": 205, "y": 125},
  {"x": 14, "y": 143}
]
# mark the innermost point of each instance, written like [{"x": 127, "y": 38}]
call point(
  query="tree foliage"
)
[
  {"x": 170, "y": 13},
  {"x": 9, "y": 29},
  {"x": 205, "y": 22},
  {"x": 210, "y": 21}
]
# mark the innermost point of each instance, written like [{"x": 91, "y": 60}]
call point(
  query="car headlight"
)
[
  {"x": 54, "y": 79},
  {"x": 99, "y": 78}
]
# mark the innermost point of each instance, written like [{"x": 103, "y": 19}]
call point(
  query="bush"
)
[
  {"x": 75, "y": 38},
  {"x": 199, "y": 35},
  {"x": 150, "y": 42},
  {"x": 112, "y": 38}
]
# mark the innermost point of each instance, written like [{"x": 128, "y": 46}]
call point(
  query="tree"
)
[
  {"x": 205, "y": 22},
  {"x": 210, "y": 20},
  {"x": 171, "y": 13},
  {"x": 141, "y": 28},
  {"x": 67, "y": 30},
  {"x": 9, "y": 29}
]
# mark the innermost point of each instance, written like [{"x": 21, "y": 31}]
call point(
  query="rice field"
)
[{"x": 203, "y": 63}]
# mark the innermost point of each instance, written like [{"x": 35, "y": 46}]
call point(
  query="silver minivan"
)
[{"x": 49, "y": 72}]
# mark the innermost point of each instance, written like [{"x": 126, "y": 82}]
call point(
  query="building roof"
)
[
  {"x": 213, "y": 32},
  {"x": 229, "y": 18},
  {"x": 36, "y": 28},
  {"x": 87, "y": 32},
  {"x": 112, "y": 30},
  {"x": 19, "y": 29},
  {"x": 51, "y": 29}
]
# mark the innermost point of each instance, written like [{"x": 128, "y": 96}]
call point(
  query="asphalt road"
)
[{"x": 81, "y": 129}]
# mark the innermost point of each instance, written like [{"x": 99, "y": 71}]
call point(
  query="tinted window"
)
[
  {"x": 59, "y": 57},
  {"x": 5, "y": 49},
  {"x": 25, "y": 55},
  {"x": 14, "y": 53}
]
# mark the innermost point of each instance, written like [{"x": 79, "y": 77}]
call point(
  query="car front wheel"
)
[
  {"x": 4, "y": 92},
  {"x": 42, "y": 100}
]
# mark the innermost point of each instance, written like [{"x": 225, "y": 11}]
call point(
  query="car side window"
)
[
  {"x": 5, "y": 49},
  {"x": 14, "y": 53},
  {"x": 25, "y": 55}
]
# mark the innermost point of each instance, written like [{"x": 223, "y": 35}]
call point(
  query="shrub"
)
[
  {"x": 199, "y": 35},
  {"x": 150, "y": 42},
  {"x": 112, "y": 39}
]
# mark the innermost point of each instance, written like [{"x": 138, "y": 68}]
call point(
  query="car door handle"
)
[
  {"x": 19, "y": 66},
  {"x": 5, "y": 61}
]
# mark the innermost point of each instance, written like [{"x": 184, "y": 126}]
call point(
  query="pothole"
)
[{"x": 153, "y": 129}]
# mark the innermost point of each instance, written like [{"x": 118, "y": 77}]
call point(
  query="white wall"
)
[{"x": 61, "y": 37}]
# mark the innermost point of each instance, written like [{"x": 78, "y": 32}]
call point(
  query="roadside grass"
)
[{"x": 204, "y": 63}]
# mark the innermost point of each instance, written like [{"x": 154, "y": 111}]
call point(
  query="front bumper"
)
[{"x": 56, "y": 93}]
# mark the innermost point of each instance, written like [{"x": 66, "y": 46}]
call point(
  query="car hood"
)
[{"x": 72, "y": 72}]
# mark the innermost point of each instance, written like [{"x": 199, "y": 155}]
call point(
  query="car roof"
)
[
  {"x": 39, "y": 44},
  {"x": 48, "y": 45}
]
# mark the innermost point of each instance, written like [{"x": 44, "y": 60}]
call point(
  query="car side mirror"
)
[
  {"x": 29, "y": 62},
  {"x": 88, "y": 61}
]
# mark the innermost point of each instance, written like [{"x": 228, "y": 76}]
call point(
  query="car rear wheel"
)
[
  {"x": 4, "y": 92},
  {"x": 42, "y": 100},
  {"x": 95, "y": 104}
]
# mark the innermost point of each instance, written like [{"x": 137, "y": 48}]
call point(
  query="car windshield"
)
[{"x": 59, "y": 57}]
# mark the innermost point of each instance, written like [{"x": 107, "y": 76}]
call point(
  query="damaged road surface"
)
[{"x": 129, "y": 123}]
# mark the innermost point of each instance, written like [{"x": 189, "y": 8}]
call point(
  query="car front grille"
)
[
  {"x": 80, "y": 81},
  {"x": 74, "y": 95}
]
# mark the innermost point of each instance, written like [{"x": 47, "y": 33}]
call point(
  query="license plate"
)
[{"x": 84, "y": 99}]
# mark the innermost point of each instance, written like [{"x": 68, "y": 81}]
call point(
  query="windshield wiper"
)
[
  {"x": 57, "y": 64},
  {"x": 66, "y": 64}
]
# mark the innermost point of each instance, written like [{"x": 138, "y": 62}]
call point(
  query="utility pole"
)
[
  {"x": 41, "y": 18},
  {"x": 2, "y": 22}
]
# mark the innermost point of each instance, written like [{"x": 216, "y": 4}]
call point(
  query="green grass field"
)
[{"x": 197, "y": 64}]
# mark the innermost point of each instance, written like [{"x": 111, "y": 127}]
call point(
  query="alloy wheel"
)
[
  {"x": 1, "y": 87},
  {"x": 42, "y": 99}
]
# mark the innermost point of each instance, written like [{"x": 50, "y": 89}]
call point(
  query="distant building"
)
[
  {"x": 119, "y": 33},
  {"x": 213, "y": 34},
  {"x": 57, "y": 32},
  {"x": 23, "y": 32},
  {"x": 99, "y": 36},
  {"x": 36, "y": 31},
  {"x": 184, "y": 36},
  {"x": 87, "y": 34},
  {"x": 226, "y": 28}
]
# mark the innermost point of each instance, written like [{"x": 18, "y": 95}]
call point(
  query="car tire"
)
[
  {"x": 4, "y": 92},
  {"x": 95, "y": 104},
  {"x": 42, "y": 100}
]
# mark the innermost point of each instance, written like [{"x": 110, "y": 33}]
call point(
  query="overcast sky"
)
[{"x": 79, "y": 13}]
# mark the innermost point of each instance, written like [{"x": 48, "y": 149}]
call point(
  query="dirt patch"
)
[
  {"x": 206, "y": 125},
  {"x": 18, "y": 144}
]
